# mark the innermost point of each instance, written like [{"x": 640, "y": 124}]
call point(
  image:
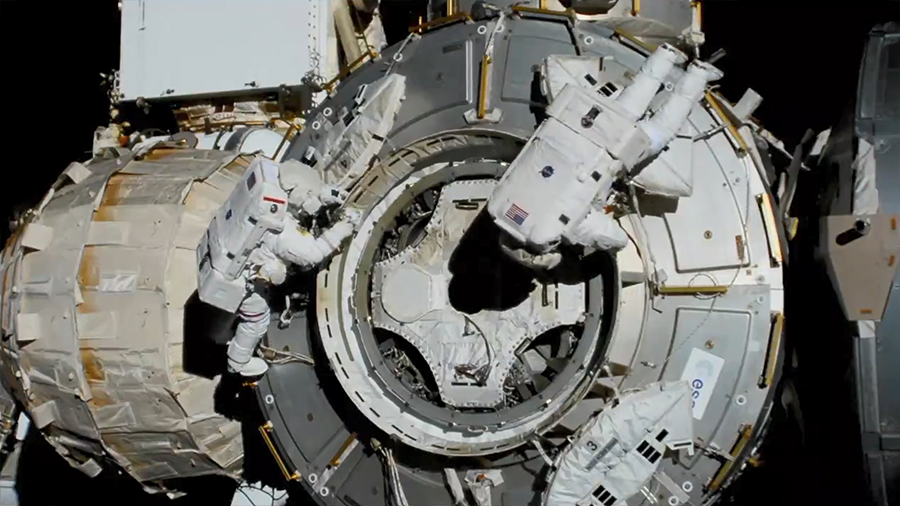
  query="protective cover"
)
[
  {"x": 356, "y": 135},
  {"x": 671, "y": 173},
  {"x": 865, "y": 191},
  {"x": 559, "y": 70},
  {"x": 617, "y": 451}
]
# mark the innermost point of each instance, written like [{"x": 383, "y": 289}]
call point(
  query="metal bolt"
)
[
  {"x": 707, "y": 234},
  {"x": 710, "y": 345}
]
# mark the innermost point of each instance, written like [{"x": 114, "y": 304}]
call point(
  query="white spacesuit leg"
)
[
  {"x": 254, "y": 321},
  {"x": 636, "y": 97},
  {"x": 598, "y": 230},
  {"x": 668, "y": 120}
]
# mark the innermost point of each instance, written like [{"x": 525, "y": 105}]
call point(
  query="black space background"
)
[{"x": 801, "y": 56}]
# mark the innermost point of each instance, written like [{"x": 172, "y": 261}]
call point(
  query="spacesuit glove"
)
[
  {"x": 598, "y": 230},
  {"x": 352, "y": 216},
  {"x": 336, "y": 234},
  {"x": 331, "y": 195},
  {"x": 274, "y": 271}
]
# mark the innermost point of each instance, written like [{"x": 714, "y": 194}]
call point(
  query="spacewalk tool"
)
[
  {"x": 556, "y": 190},
  {"x": 253, "y": 238}
]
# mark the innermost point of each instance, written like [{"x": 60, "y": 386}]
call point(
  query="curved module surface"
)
[
  {"x": 95, "y": 295},
  {"x": 696, "y": 296}
]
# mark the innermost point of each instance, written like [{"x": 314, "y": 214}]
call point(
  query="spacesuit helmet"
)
[{"x": 307, "y": 193}]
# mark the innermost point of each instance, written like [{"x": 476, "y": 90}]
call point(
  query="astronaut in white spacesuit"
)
[
  {"x": 556, "y": 190},
  {"x": 253, "y": 239}
]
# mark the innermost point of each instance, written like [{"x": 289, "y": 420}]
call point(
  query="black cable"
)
[
  {"x": 247, "y": 496},
  {"x": 270, "y": 494}
]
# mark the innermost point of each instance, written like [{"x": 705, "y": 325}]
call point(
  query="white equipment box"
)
[{"x": 177, "y": 48}]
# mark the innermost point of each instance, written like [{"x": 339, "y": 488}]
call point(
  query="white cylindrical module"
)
[
  {"x": 99, "y": 344},
  {"x": 247, "y": 140}
]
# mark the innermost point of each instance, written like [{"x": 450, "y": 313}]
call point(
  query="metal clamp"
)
[
  {"x": 264, "y": 430},
  {"x": 369, "y": 54},
  {"x": 692, "y": 290},
  {"x": 768, "y": 374},
  {"x": 720, "y": 476},
  {"x": 436, "y": 23}
]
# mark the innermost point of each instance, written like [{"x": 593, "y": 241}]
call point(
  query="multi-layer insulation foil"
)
[{"x": 94, "y": 295}]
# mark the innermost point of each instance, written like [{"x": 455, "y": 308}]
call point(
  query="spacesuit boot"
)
[
  {"x": 254, "y": 316},
  {"x": 636, "y": 97},
  {"x": 663, "y": 126}
]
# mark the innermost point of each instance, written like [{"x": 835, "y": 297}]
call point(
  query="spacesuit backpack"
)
[{"x": 256, "y": 207}]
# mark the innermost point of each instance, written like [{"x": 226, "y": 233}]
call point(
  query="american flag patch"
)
[{"x": 517, "y": 214}]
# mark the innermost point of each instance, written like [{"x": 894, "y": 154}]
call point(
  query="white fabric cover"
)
[
  {"x": 357, "y": 135},
  {"x": 672, "y": 173},
  {"x": 606, "y": 449},
  {"x": 559, "y": 70},
  {"x": 865, "y": 193}
]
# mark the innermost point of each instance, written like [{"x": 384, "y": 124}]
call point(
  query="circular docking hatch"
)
[{"x": 445, "y": 371}]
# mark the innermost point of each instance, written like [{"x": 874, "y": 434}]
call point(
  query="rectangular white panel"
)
[
  {"x": 706, "y": 232},
  {"x": 173, "y": 48},
  {"x": 702, "y": 372}
]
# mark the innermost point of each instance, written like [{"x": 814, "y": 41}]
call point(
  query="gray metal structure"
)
[
  {"x": 877, "y": 350},
  {"x": 97, "y": 306},
  {"x": 859, "y": 242},
  {"x": 703, "y": 277}
]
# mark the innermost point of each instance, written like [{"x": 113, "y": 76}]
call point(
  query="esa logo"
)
[
  {"x": 696, "y": 387},
  {"x": 701, "y": 372},
  {"x": 704, "y": 369}
]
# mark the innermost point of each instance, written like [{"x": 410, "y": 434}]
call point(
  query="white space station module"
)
[{"x": 559, "y": 279}]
